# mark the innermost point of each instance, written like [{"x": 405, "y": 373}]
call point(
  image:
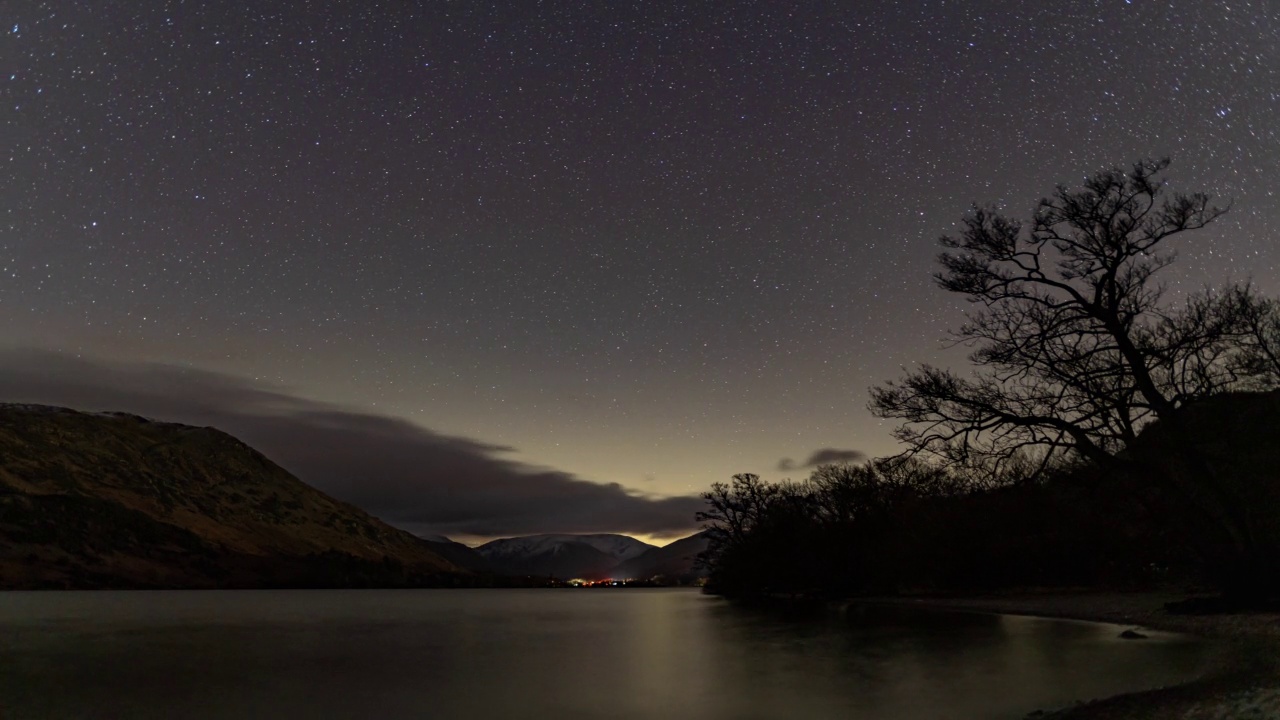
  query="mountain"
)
[
  {"x": 116, "y": 500},
  {"x": 619, "y": 547},
  {"x": 674, "y": 562},
  {"x": 564, "y": 561},
  {"x": 561, "y": 556},
  {"x": 455, "y": 552}
]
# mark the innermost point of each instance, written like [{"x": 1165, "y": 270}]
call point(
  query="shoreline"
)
[{"x": 1242, "y": 683}]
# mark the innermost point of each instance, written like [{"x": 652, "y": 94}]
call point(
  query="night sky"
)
[{"x": 494, "y": 268}]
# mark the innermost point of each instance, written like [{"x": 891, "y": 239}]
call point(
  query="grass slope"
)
[{"x": 115, "y": 500}]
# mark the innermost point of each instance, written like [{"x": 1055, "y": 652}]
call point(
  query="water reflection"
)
[{"x": 544, "y": 654}]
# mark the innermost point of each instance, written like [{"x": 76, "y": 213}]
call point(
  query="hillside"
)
[
  {"x": 115, "y": 500},
  {"x": 1236, "y": 435},
  {"x": 455, "y": 552},
  {"x": 675, "y": 562}
]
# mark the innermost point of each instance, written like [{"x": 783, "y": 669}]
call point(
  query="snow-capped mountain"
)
[
  {"x": 563, "y": 556},
  {"x": 619, "y": 547}
]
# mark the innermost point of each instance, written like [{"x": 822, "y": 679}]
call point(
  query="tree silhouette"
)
[{"x": 1075, "y": 350}]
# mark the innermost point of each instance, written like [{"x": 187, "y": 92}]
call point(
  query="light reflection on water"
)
[{"x": 615, "y": 654}]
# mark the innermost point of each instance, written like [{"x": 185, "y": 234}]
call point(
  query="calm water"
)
[{"x": 480, "y": 654}]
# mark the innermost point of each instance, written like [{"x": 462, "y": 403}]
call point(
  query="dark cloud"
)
[
  {"x": 406, "y": 474},
  {"x": 824, "y": 456}
]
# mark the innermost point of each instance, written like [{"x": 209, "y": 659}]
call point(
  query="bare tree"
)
[
  {"x": 1075, "y": 352},
  {"x": 1074, "y": 348},
  {"x": 734, "y": 510},
  {"x": 1260, "y": 326}
]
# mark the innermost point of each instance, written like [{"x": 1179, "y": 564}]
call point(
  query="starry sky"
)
[{"x": 604, "y": 253}]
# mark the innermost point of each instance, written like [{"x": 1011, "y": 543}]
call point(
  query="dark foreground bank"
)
[{"x": 1243, "y": 682}]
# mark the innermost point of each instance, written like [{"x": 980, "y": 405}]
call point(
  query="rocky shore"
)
[{"x": 1244, "y": 683}]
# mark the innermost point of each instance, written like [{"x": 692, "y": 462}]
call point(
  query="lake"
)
[{"x": 480, "y": 654}]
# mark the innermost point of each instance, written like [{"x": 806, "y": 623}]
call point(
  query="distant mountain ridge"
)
[
  {"x": 561, "y": 556},
  {"x": 116, "y": 500},
  {"x": 619, "y": 547},
  {"x": 594, "y": 557}
]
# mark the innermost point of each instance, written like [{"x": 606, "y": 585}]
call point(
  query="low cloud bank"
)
[
  {"x": 408, "y": 475},
  {"x": 824, "y": 456}
]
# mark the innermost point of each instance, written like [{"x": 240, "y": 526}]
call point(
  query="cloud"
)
[
  {"x": 406, "y": 474},
  {"x": 824, "y": 456}
]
